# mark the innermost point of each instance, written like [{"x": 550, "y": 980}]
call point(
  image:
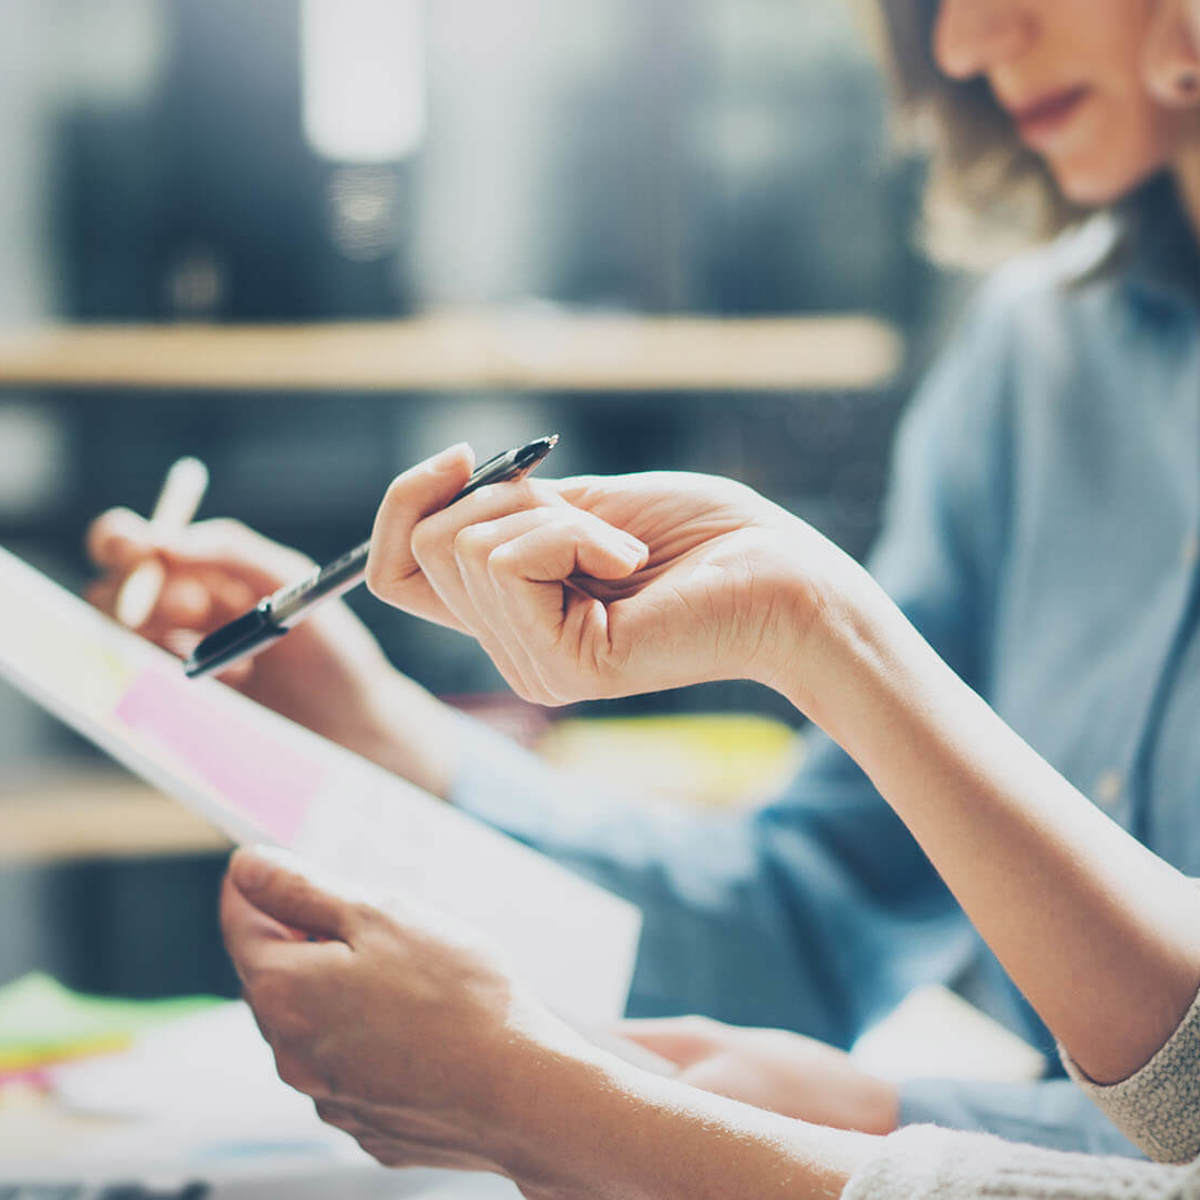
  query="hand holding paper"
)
[{"x": 404, "y": 1026}]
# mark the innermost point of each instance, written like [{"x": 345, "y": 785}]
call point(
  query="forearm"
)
[
  {"x": 1101, "y": 935},
  {"x": 408, "y": 731},
  {"x": 598, "y": 1130}
]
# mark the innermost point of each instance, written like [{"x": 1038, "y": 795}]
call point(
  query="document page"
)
[{"x": 262, "y": 778}]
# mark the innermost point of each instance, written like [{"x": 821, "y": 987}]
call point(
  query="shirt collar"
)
[{"x": 1155, "y": 248}]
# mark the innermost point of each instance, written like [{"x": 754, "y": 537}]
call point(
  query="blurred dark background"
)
[{"x": 252, "y": 161}]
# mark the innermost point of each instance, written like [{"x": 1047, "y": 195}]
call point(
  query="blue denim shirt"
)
[{"x": 1042, "y": 533}]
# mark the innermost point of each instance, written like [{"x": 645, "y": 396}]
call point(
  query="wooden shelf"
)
[
  {"x": 522, "y": 350},
  {"x": 96, "y": 814}
]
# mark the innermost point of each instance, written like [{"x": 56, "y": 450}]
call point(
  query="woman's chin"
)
[
  {"x": 1090, "y": 179},
  {"x": 1100, "y": 188}
]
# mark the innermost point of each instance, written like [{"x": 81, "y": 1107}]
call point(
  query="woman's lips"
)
[{"x": 1045, "y": 116}]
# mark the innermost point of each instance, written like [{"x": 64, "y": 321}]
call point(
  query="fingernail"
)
[
  {"x": 448, "y": 457},
  {"x": 252, "y": 871},
  {"x": 637, "y": 550}
]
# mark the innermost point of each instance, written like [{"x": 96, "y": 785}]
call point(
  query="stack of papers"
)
[{"x": 197, "y": 1098}]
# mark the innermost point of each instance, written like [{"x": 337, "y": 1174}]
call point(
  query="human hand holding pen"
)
[
  {"x": 329, "y": 675},
  {"x": 594, "y": 587},
  {"x": 271, "y": 618},
  {"x": 235, "y": 594}
]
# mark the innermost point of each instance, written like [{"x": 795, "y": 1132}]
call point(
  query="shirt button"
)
[
  {"x": 1108, "y": 789},
  {"x": 1190, "y": 554}
]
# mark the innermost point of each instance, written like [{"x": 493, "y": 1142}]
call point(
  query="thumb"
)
[
  {"x": 273, "y": 881},
  {"x": 418, "y": 493}
]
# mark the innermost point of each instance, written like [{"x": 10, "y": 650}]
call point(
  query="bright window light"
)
[{"x": 363, "y": 65}]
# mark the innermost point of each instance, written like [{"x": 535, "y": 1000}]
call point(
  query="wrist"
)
[
  {"x": 829, "y": 640},
  {"x": 564, "y": 1111}
]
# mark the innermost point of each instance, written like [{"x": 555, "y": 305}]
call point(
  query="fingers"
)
[
  {"x": 684, "y": 1041},
  {"x": 537, "y": 583},
  {"x": 411, "y": 564},
  {"x": 560, "y": 624},
  {"x": 118, "y": 540},
  {"x": 502, "y": 565},
  {"x": 187, "y": 606},
  {"x": 722, "y": 1075},
  {"x": 245, "y": 926},
  {"x": 184, "y": 603},
  {"x": 518, "y": 571},
  {"x": 393, "y": 573},
  {"x": 550, "y": 545},
  {"x": 136, "y": 583},
  {"x": 288, "y": 983},
  {"x": 235, "y": 552},
  {"x": 206, "y": 574},
  {"x": 102, "y": 593},
  {"x": 272, "y": 883},
  {"x": 435, "y": 545},
  {"x": 467, "y": 565}
]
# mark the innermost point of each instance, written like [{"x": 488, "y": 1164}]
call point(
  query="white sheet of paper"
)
[{"x": 262, "y": 778}]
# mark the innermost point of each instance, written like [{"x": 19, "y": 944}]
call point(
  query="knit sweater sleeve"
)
[
  {"x": 1158, "y": 1107},
  {"x": 922, "y": 1162}
]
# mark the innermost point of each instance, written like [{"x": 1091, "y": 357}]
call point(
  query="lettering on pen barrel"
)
[{"x": 271, "y": 618}]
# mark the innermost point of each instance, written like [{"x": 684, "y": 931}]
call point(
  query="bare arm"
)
[
  {"x": 1101, "y": 935},
  {"x": 690, "y": 578},
  {"x": 412, "y": 1037}
]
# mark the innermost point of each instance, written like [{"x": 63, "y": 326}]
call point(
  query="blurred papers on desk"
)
[
  {"x": 197, "y": 1099},
  {"x": 715, "y": 760}
]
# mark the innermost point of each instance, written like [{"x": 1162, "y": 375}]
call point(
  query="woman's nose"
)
[
  {"x": 1170, "y": 60},
  {"x": 973, "y": 36}
]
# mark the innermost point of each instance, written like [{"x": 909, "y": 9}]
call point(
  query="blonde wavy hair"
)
[{"x": 987, "y": 194}]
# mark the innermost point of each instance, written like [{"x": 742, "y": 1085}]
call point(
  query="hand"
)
[
  {"x": 594, "y": 587},
  {"x": 328, "y": 674},
  {"x": 412, "y": 1037},
  {"x": 786, "y": 1073},
  {"x": 407, "y": 1030}
]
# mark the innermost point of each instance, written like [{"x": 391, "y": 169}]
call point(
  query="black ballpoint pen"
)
[{"x": 273, "y": 617}]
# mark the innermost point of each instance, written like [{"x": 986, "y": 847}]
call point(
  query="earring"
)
[{"x": 1187, "y": 83}]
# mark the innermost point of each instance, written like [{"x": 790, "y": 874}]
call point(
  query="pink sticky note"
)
[{"x": 256, "y": 774}]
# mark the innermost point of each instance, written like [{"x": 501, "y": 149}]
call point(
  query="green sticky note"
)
[{"x": 43, "y": 1022}]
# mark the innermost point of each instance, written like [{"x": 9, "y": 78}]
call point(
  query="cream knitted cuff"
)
[
  {"x": 922, "y": 1162},
  {"x": 1158, "y": 1107}
]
